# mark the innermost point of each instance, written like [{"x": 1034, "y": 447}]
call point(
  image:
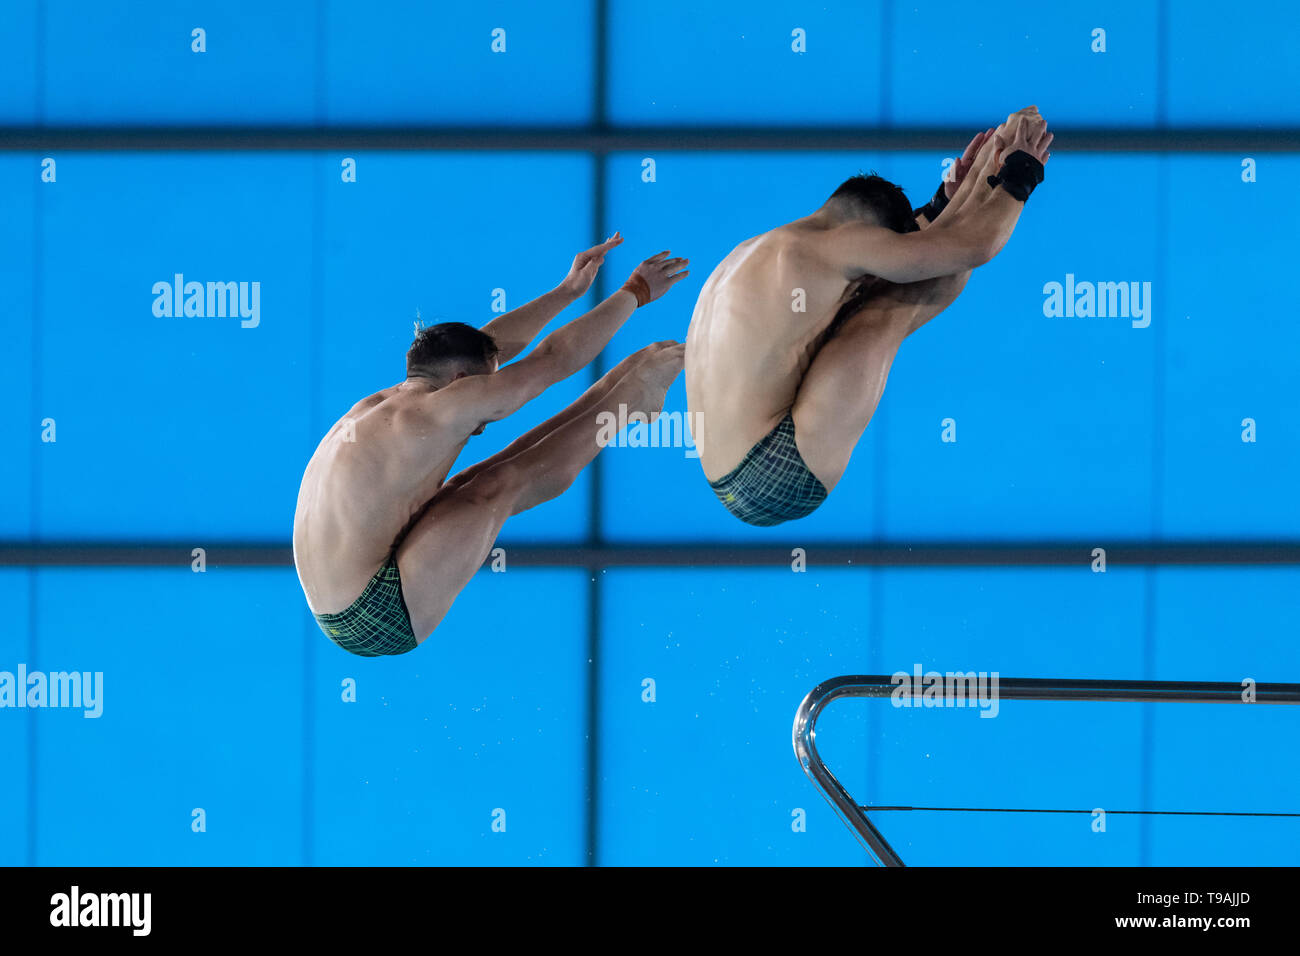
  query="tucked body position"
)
[
  {"x": 794, "y": 333},
  {"x": 383, "y": 543}
]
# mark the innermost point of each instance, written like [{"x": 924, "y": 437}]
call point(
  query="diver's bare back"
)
[
  {"x": 765, "y": 308},
  {"x": 370, "y": 476}
]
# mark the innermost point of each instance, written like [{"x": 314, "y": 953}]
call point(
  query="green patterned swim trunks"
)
[
  {"x": 377, "y": 623},
  {"x": 772, "y": 483}
]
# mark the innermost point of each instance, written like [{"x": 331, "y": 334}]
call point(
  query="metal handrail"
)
[{"x": 1011, "y": 688}]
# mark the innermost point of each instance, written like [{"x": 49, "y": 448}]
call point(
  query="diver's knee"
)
[{"x": 498, "y": 484}]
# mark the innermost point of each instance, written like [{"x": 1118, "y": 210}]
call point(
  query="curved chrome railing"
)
[{"x": 1010, "y": 688}]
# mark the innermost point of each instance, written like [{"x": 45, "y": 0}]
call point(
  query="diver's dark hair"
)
[
  {"x": 879, "y": 197},
  {"x": 450, "y": 342}
]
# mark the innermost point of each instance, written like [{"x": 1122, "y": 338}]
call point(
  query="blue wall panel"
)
[
  {"x": 20, "y": 426},
  {"x": 1053, "y": 414},
  {"x": 1230, "y": 345},
  {"x": 15, "y": 725},
  {"x": 1226, "y": 624},
  {"x": 19, "y": 59},
  {"x": 705, "y": 774},
  {"x": 1235, "y": 68},
  {"x": 735, "y": 63},
  {"x": 202, "y": 708},
  {"x": 855, "y": 64},
  {"x": 78, "y": 63},
  {"x": 405, "y": 61},
  {"x": 952, "y": 63},
  {"x": 485, "y": 715},
  {"x": 173, "y": 427},
  {"x": 103, "y": 67},
  {"x": 882, "y": 63}
]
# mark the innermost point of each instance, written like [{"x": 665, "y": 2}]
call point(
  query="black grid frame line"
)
[
  {"x": 600, "y": 140},
  {"x": 591, "y": 782},
  {"x": 595, "y": 553}
]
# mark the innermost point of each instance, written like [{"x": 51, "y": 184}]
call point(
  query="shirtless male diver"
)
[
  {"x": 381, "y": 543},
  {"x": 778, "y": 394}
]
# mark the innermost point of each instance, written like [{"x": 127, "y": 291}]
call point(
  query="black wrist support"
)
[
  {"x": 1019, "y": 174},
  {"x": 936, "y": 205}
]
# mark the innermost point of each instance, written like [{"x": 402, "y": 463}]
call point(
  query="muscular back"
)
[
  {"x": 369, "y": 477},
  {"x": 759, "y": 321}
]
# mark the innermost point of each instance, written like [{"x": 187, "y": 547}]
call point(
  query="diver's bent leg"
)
[
  {"x": 454, "y": 535},
  {"x": 546, "y": 469},
  {"x": 592, "y": 398},
  {"x": 840, "y": 392}
]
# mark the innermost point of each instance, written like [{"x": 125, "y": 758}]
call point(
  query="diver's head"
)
[
  {"x": 447, "y": 351},
  {"x": 872, "y": 199}
]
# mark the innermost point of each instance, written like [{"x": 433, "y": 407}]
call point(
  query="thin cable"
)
[{"x": 1166, "y": 813}]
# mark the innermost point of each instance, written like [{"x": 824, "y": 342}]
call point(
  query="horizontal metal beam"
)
[
  {"x": 707, "y": 554},
  {"x": 592, "y": 140},
  {"x": 854, "y": 814}
]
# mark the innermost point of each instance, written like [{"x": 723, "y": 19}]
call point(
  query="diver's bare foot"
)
[
  {"x": 657, "y": 372},
  {"x": 633, "y": 359}
]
